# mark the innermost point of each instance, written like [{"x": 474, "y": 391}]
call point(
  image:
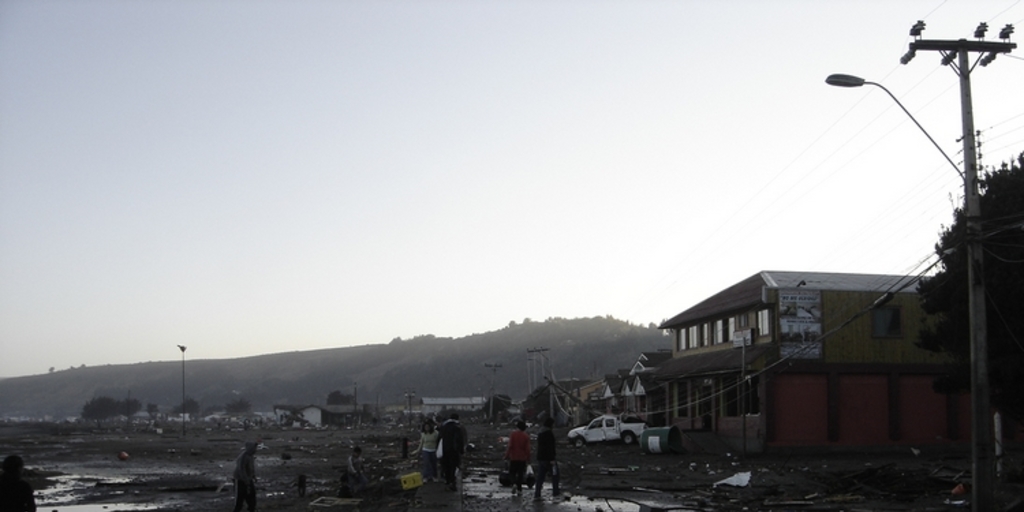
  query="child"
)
[{"x": 356, "y": 478}]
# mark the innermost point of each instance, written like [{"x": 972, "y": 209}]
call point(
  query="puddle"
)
[
  {"x": 482, "y": 492},
  {"x": 60, "y": 495},
  {"x": 96, "y": 507}
]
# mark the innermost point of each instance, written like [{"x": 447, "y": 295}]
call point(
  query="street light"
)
[
  {"x": 982, "y": 469},
  {"x": 841, "y": 80},
  {"x": 182, "y": 347},
  {"x": 494, "y": 371}
]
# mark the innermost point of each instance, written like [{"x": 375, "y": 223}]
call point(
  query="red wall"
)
[
  {"x": 800, "y": 409},
  {"x": 863, "y": 409},
  {"x": 922, "y": 411},
  {"x": 799, "y": 414}
]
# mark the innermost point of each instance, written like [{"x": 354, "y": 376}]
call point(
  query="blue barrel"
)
[{"x": 662, "y": 440}]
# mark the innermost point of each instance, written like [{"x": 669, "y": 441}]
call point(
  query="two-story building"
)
[{"x": 809, "y": 359}]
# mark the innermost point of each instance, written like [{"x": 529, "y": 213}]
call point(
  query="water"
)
[{"x": 96, "y": 507}]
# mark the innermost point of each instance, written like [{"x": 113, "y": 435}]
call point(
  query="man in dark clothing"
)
[
  {"x": 452, "y": 444},
  {"x": 245, "y": 478},
  {"x": 16, "y": 495},
  {"x": 546, "y": 463}
]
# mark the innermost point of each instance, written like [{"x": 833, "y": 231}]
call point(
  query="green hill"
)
[{"x": 430, "y": 366}]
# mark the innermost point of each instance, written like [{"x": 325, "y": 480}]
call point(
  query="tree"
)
[
  {"x": 101, "y": 408},
  {"x": 945, "y": 294},
  {"x": 339, "y": 398},
  {"x": 152, "y": 410},
  {"x": 130, "y": 406},
  {"x": 191, "y": 407},
  {"x": 239, "y": 406}
]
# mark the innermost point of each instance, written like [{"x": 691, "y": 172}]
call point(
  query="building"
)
[
  {"x": 433, "y": 406},
  {"x": 316, "y": 415},
  {"x": 801, "y": 359}
]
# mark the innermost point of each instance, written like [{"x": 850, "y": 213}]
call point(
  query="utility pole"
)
[
  {"x": 409, "y": 395},
  {"x": 182, "y": 348},
  {"x": 494, "y": 371},
  {"x": 982, "y": 445},
  {"x": 530, "y": 359}
]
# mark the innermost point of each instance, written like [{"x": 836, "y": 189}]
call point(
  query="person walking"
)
[
  {"x": 518, "y": 456},
  {"x": 16, "y": 495},
  {"x": 452, "y": 444},
  {"x": 547, "y": 464},
  {"x": 245, "y": 478},
  {"x": 429, "y": 437},
  {"x": 357, "y": 480}
]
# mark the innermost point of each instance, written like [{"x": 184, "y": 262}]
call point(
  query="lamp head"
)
[{"x": 841, "y": 80}]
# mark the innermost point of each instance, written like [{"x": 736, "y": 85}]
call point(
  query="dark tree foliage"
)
[
  {"x": 945, "y": 295},
  {"x": 238, "y": 406},
  {"x": 337, "y": 398},
  {"x": 191, "y": 407},
  {"x": 152, "y": 410},
  {"x": 130, "y": 406},
  {"x": 101, "y": 408}
]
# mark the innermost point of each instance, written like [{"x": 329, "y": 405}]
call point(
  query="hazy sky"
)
[{"x": 248, "y": 177}]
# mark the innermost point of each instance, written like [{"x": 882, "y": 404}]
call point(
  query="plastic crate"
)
[{"x": 411, "y": 480}]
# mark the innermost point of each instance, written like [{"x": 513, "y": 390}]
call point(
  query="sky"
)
[{"x": 250, "y": 177}]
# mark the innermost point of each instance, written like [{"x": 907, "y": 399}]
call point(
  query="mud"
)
[{"x": 75, "y": 466}]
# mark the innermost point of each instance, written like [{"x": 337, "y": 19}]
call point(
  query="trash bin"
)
[{"x": 662, "y": 440}]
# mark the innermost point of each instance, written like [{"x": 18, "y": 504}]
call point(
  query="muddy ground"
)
[{"x": 76, "y": 464}]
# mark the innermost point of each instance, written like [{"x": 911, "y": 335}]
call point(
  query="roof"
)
[
  {"x": 652, "y": 359},
  {"x": 471, "y": 400},
  {"x": 709, "y": 362},
  {"x": 748, "y": 293}
]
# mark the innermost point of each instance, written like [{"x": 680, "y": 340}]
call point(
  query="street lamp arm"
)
[
  {"x": 840, "y": 80},
  {"x": 925, "y": 132}
]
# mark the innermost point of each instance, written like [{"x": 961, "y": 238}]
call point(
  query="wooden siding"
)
[{"x": 854, "y": 343}]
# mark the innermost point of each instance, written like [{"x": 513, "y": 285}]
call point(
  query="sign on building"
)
[{"x": 800, "y": 323}]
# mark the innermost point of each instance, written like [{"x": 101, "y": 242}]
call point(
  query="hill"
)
[{"x": 428, "y": 365}]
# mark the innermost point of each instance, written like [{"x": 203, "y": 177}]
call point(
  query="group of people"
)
[
  {"x": 518, "y": 456},
  {"x": 444, "y": 444}
]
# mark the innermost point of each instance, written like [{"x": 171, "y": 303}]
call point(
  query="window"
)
[
  {"x": 682, "y": 403},
  {"x": 743, "y": 321},
  {"x": 705, "y": 335},
  {"x": 719, "y": 332},
  {"x": 691, "y": 337},
  {"x": 732, "y": 400},
  {"x": 680, "y": 340},
  {"x": 764, "y": 322},
  {"x": 753, "y": 401},
  {"x": 885, "y": 323},
  {"x": 732, "y": 328}
]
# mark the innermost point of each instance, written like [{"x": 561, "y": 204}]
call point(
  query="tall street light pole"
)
[
  {"x": 982, "y": 445},
  {"x": 494, "y": 371},
  {"x": 182, "y": 347}
]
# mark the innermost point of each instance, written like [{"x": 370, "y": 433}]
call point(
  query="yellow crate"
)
[{"x": 411, "y": 480}]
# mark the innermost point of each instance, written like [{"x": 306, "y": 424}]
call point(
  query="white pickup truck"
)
[{"x": 608, "y": 427}]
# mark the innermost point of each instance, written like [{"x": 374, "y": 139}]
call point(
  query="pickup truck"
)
[{"x": 608, "y": 427}]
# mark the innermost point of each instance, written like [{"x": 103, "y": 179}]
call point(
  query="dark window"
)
[
  {"x": 885, "y": 323},
  {"x": 752, "y": 399},
  {"x": 743, "y": 321},
  {"x": 682, "y": 401},
  {"x": 732, "y": 401}
]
